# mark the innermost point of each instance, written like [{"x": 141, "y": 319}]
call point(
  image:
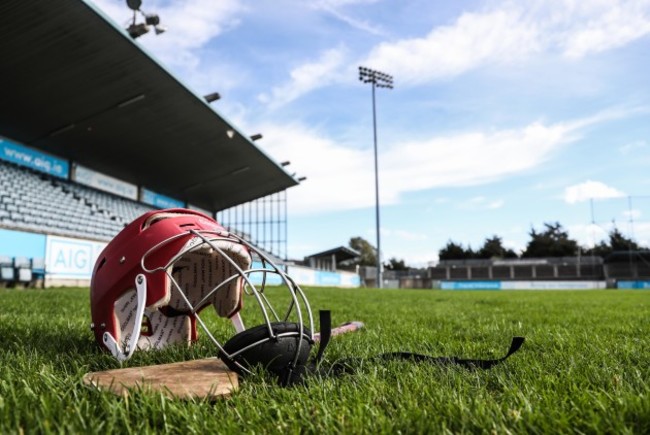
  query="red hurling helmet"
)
[{"x": 153, "y": 279}]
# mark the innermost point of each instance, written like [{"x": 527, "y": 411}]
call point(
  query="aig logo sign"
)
[{"x": 71, "y": 258}]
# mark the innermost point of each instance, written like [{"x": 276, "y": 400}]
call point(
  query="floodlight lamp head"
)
[
  {"x": 152, "y": 19},
  {"x": 212, "y": 97},
  {"x": 257, "y": 136},
  {"x": 137, "y": 30}
]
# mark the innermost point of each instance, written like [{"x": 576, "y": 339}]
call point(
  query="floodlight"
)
[
  {"x": 152, "y": 19},
  {"x": 286, "y": 163},
  {"x": 257, "y": 136},
  {"x": 378, "y": 79},
  {"x": 137, "y": 30},
  {"x": 212, "y": 97}
]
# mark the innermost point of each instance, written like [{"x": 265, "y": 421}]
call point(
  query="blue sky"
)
[{"x": 504, "y": 115}]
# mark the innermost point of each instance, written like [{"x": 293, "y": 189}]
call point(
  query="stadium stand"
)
[
  {"x": 561, "y": 268},
  {"x": 131, "y": 125},
  {"x": 627, "y": 265},
  {"x": 618, "y": 266},
  {"x": 341, "y": 257},
  {"x": 36, "y": 202},
  {"x": 479, "y": 273}
]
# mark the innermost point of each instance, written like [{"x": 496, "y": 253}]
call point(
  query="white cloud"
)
[
  {"x": 632, "y": 214},
  {"x": 340, "y": 3},
  {"x": 334, "y": 7},
  {"x": 445, "y": 161},
  {"x": 307, "y": 77},
  {"x": 603, "y": 25},
  {"x": 642, "y": 233},
  {"x": 495, "y": 204},
  {"x": 337, "y": 177},
  {"x": 417, "y": 259},
  {"x": 474, "y": 39},
  {"x": 513, "y": 32},
  {"x": 341, "y": 177},
  {"x": 404, "y": 234},
  {"x": 482, "y": 203},
  {"x": 633, "y": 147},
  {"x": 517, "y": 246},
  {"x": 590, "y": 190},
  {"x": 510, "y": 32},
  {"x": 589, "y": 235}
]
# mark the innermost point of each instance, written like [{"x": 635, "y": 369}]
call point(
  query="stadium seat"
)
[
  {"x": 24, "y": 275},
  {"x": 6, "y": 269},
  {"x": 37, "y": 202}
]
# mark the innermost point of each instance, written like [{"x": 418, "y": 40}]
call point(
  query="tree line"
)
[{"x": 552, "y": 241}]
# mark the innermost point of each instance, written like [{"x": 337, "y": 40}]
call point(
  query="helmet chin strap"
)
[{"x": 132, "y": 342}]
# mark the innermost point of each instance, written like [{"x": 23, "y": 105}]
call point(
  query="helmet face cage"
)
[
  {"x": 215, "y": 267},
  {"x": 299, "y": 305}
]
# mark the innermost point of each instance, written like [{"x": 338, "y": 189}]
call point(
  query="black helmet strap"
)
[
  {"x": 325, "y": 320},
  {"x": 349, "y": 365},
  {"x": 293, "y": 375}
]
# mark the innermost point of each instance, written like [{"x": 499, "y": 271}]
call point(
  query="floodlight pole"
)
[{"x": 381, "y": 80}]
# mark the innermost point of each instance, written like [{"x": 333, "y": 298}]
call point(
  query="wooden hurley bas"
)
[{"x": 203, "y": 378}]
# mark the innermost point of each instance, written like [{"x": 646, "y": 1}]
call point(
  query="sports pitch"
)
[{"x": 585, "y": 367}]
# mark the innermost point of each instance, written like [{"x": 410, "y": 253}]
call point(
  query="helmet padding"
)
[{"x": 197, "y": 272}]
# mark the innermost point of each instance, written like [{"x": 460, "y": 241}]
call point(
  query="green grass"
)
[{"x": 585, "y": 368}]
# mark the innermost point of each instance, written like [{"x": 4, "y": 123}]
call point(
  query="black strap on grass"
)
[
  {"x": 442, "y": 360},
  {"x": 349, "y": 365}
]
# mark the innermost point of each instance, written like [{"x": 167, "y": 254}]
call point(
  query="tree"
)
[
  {"x": 368, "y": 252},
  {"x": 602, "y": 249},
  {"x": 493, "y": 248},
  {"x": 395, "y": 264},
  {"x": 617, "y": 242},
  {"x": 554, "y": 241},
  {"x": 455, "y": 251}
]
